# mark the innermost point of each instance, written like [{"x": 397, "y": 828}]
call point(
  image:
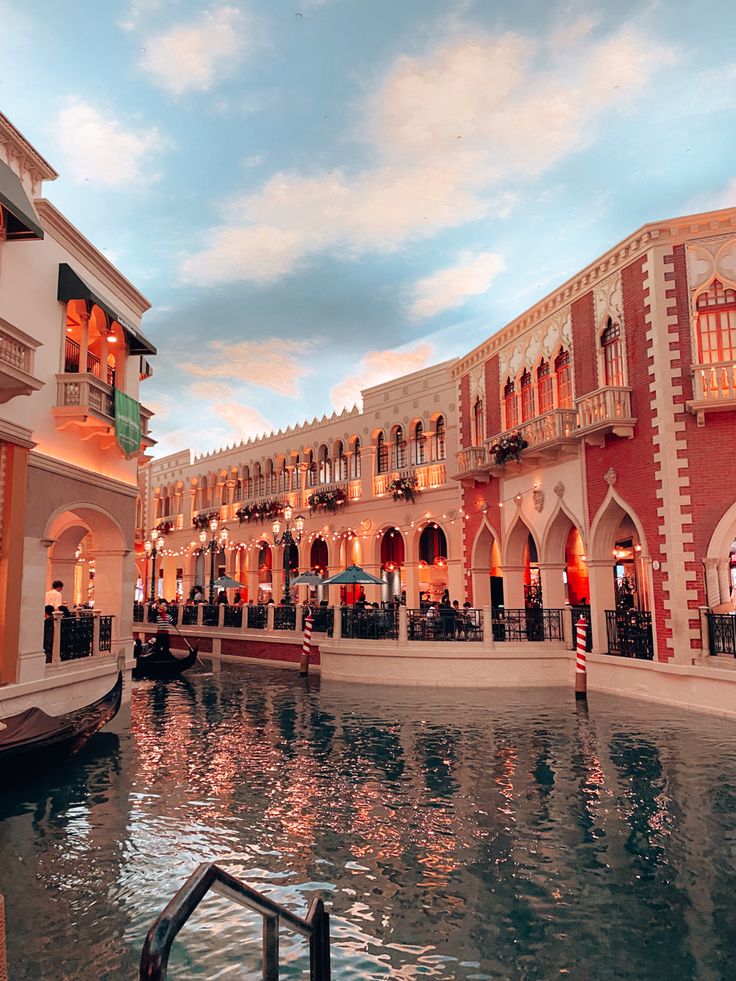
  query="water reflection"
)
[{"x": 465, "y": 835}]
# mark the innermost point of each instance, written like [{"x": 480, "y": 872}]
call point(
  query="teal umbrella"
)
[
  {"x": 308, "y": 579},
  {"x": 225, "y": 582},
  {"x": 353, "y": 575}
]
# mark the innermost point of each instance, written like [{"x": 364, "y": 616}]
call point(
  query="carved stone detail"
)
[
  {"x": 478, "y": 385},
  {"x": 538, "y": 498},
  {"x": 609, "y": 300},
  {"x": 610, "y": 476},
  {"x": 709, "y": 259},
  {"x": 559, "y": 488}
]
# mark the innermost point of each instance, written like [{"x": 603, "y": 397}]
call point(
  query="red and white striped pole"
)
[
  {"x": 581, "y": 671},
  {"x": 306, "y": 647}
]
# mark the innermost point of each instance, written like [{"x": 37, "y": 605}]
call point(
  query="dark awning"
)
[
  {"x": 23, "y": 220},
  {"x": 73, "y": 287}
]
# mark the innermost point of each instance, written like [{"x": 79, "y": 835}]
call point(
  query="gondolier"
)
[{"x": 163, "y": 621}]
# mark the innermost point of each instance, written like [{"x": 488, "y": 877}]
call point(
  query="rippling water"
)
[{"x": 454, "y": 835}]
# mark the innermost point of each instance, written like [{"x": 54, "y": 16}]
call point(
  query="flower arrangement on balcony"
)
[
  {"x": 509, "y": 447},
  {"x": 165, "y": 527},
  {"x": 328, "y": 500},
  {"x": 202, "y": 520},
  {"x": 404, "y": 488},
  {"x": 264, "y": 511}
]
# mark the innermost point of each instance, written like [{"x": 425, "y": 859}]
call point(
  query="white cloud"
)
[
  {"x": 453, "y": 133},
  {"x": 448, "y": 288},
  {"x": 96, "y": 147},
  {"x": 277, "y": 363},
  {"x": 242, "y": 420},
  {"x": 377, "y": 367},
  {"x": 192, "y": 56}
]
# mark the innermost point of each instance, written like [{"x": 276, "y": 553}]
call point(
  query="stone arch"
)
[
  {"x": 485, "y": 557},
  {"x": 555, "y": 534},
  {"x": 717, "y": 559},
  {"x": 605, "y": 523}
]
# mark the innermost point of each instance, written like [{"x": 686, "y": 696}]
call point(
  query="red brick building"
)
[{"x": 623, "y": 384}]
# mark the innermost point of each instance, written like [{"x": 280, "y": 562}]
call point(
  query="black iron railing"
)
[
  {"x": 233, "y": 616},
  {"x": 323, "y": 619},
  {"x": 629, "y": 633},
  {"x": 48, "y": 638},
  {"x": 257, "y": 617},
  {"x": 722, "y": 633},
  {"x": 209, "y": 876},
  {"x": 139, "y": 613},
  {"x": 370, "y": 624},
  {"x": 210, "y": 614},
  {"x": 575, "y": 613},
  {"x": 533, "y": 624},
  {"x": 284, "y": 618},
  {"x": 106, "y": 633},
  {"x": 189, "y": 615},
  {"x": 72, "y": 355},
  {"x": 445, "y": 623},
  {"x": 76, "y": 637}
]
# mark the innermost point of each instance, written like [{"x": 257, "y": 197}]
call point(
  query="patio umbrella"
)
[
  {"x": 353, "y": 575},
  {"x": 308, "y": 579},
  {"x": 225, "y": 582}
]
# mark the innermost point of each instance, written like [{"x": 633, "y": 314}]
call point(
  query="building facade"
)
[
  {"x": 71, "y": 434},
  {"x": 621, "y": 387},
  {"x": 373, "y": 487}
]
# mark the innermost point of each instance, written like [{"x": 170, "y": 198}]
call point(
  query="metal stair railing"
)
[{"x": 209, "y": 876}]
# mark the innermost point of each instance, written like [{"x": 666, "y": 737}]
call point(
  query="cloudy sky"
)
[{"x": 318, "y": 195}]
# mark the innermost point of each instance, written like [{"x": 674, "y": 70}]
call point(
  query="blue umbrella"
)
[{"x": 353, "y": 575}]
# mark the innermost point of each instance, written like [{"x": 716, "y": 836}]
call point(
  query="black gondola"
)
[
  {"x": 162, "y": 665},
  {"x": 33, "y": 737}
]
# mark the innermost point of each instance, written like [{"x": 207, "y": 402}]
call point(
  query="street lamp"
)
[
  {"x": 213, "y": 546},
  {"x": 288, "y": 539},
  {"x": 152, "y": 548}
]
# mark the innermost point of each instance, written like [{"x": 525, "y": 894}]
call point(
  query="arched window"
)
[
  {"x": 283, "y": 477},
  {"x": 203, "y": 499},
  {"x": 564, "y": 380},
  {"x": 381, "y": 454},
  {"x": 238, "y": 490},
  {"x": 356, "y": 459},
  {"x": 325, "y": 466},
  {"x": 613, "y": 362},
  {"x": 716, "y": 325},
  {"x": 258, "y": 483},
  {"x": 544, "y": 388},
  {"x": 439, "y": 438},
  {"x": 294, "y": 474},
  {"x": 419, "y": 445},
  {"x": 511, "y": 404},
  {"x": 479, "y": 427},
  {"x": 399, "y": 449},
  {"x": 224, "y": 491},
  {"x": 527, "y": 397},
  {"x": 270, "y": 478},
  {"x": 341, "y": 461},
  {"x": 247, "y": 484},
  {"x": 311, "y": 469}
]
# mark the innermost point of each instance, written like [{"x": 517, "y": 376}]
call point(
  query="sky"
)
[{"x": 319, "y": 195}]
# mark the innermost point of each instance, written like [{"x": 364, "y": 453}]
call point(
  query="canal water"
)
[{"x": 453, "y": 834}]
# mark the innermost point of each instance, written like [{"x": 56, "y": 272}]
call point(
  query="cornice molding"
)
[
  {"x": 71, "y": 238},
  {"x": 11, "y": 432},
  {"x": 674, "y": 231},
  {"x": 39, "y": 168},
  {"x": 65, "y": 469}
]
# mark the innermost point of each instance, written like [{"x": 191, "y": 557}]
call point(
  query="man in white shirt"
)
[{"x": 53, "y": 595}]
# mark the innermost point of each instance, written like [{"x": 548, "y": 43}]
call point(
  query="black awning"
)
[
  {"x": 22, "y": 219},
  {"x": 73, "y": 287}
]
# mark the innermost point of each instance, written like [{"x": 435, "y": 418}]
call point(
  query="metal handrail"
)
[{"x": 209, "y": 876}]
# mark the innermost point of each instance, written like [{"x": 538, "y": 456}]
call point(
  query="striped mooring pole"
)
[
  {"x": 581, "y": 671},
  {"x": 306, "y": 647}
]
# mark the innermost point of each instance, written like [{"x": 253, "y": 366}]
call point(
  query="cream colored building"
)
[
  {"x": 407, "y": 430},
  {"x": 70, "y": 351}
]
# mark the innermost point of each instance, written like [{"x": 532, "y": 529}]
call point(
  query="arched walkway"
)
[
  {"x": 720, "y": 562},
  {"x": 486, "y": 569},
  {"x": 563, "y": 562}
]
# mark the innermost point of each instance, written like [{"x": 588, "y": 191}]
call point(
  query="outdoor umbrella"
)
[
  {"x": 353, "y": 575},
  {"x": 308, "y": 579},
  {"x": 225, "y": 582}
]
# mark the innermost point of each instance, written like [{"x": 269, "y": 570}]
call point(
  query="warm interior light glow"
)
[
  {"x": 288, "y": 513},
  {"x": 213, "y": 525},
  {"x": 276, "y": 527},
  {"x": 224, "y": 534},
  {"x": 203, "y": 536},
  {"x": 112, "y": 339},
  {"x": 299, "y": 523}
]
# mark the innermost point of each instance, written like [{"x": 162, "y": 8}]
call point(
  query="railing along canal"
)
[
  {"x": 629, "y": 633},
  {"x": 445, "y": 623},
  {"x": 575, "y": 613},
  {"x": 209, "y": 876},
  {"x": 722, "y": 633},
  {"x": 369, "y": 624},
  {"x": 533, "y": 624},
  {"x": 83, "y": 634}
]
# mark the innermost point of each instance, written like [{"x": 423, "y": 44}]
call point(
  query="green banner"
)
[{"x": 127, "y": 422}]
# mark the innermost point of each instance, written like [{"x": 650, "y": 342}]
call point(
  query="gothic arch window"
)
[
  {"x": 613, "y": 362},
  {"x": 511, "y": 403},
  {"x": 270, "y": 478},
  {"x": 381, "y": 454},
  {"x": 440, "y": 438},
  {"x": 563, "y": 378},
  {"x": 247, "y": 484},
  {"x": 419, "y": 445},
  {"x": 325, "y": 465},
  {"x": 527, "y": 397},
  {"x": 311, "y": 468},
  {"x": 545, "y": 392},
  {"x": 341, "y": 461},
  {"x": 716, "y": 324},
  {"x": 479, "y": 429},
  {"x": 283, "y": 477},
  {"x": 399, "y": 448},
  {"x": 356, "y": 459}
]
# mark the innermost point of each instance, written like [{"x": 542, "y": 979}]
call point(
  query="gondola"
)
[
  {"x": 162, "y": 666},
  {"x": 33, "y": 737}
]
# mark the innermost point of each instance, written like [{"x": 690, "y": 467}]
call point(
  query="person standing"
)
[
  {"x": 53, "y": 595},
  {"x": 163, "y": 621}
]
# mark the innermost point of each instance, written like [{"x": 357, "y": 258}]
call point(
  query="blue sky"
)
[{"x": 318, "y": 195}]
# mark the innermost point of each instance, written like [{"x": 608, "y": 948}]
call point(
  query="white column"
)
[
  {"x": 553, "y": 586},
  {"x": 269, "y": 616},
  {"x": 337, "y": 624},
  {"x": 403, "y": 627},
  {"x": 712, "y": 582},
  {"x": 602, "y": 598},
  {"x": 513, "y": 586}
]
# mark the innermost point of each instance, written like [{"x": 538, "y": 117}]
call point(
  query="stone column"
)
[
  {"x": 270, "y": 617},
  {"x": 189, "y": 498},
  {"x": 513, "y": 586},
  {"x": 403, "y": 627},
  {"x": 488, "y": 627},
  {"x": 31, "y": 664},
  {"x": 114, "y": 582},
  {"x": 602, "y": 598},
  {"x": 337, "y": 623},
  {"x": 723, "y": 579},
  {"x": 712, "y": 582},
  {"x": 84, "y": 342},
  {"x": 553, "y": 586}
]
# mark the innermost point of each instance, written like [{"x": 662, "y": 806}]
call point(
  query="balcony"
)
[
  {"x": 472, "y": 464},
  {"x": 147, "y": 442},
  {"x": 714, "y": 389},
  {"x": 83, "y": 400},
  {"x": 17, "y": 351},
  {"x": 550, "y": 437},
  {"x": 430, "y": 475},
  {"x": 607, "y": 411}
]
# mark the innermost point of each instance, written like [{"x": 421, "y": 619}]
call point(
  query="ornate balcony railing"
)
[
  {"x": 471, "y": 461},
  {"x": 629, "y": 633},
  {"x": 722, "y": 633},
  {"x": 355, "y": 489},
  {"x": 430, "y": 475},
  {"x": 80, "y": 394},
  {"x": 533, "y": 624},
  {"x": 17, "y": 351},
  {"x": 606, "y": 410},
  {"x": 85, "y": 634},
  {"x": 714, "y": 388}
]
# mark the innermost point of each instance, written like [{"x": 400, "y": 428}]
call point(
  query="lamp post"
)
[
  {"x": 288, "y": 539},
  {"x": 152, "y": 547},
  {"x": 213, "y": 546}
]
